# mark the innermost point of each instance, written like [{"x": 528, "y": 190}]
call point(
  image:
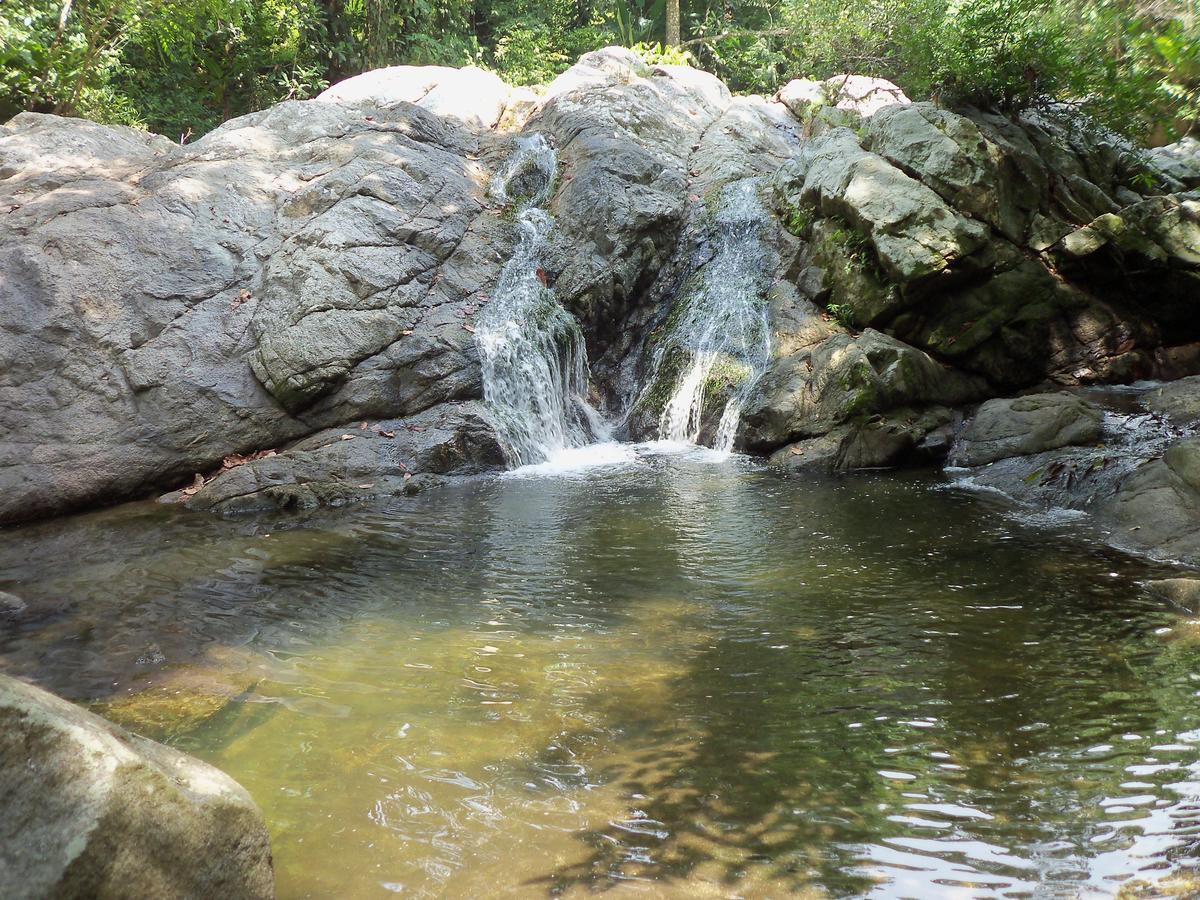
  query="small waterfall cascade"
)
[
  {"x": 720, "y": 331},
  {"x": 535, "y": 370}
]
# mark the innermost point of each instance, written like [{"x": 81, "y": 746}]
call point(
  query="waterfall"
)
[
  {"x": 535, "y": 371},
  {"x": 719, "y": 339}
]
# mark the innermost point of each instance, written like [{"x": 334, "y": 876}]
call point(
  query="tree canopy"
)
[{"x": 180, "y": 67}]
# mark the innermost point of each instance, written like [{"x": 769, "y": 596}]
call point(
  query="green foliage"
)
[
  {"x": 183, "y": 66},
  {"x": 657, "y": 54},
  {"x": 843, "y": 314},
  {"x": 797, "y": 220}
]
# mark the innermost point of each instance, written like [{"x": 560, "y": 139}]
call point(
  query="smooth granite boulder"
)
[
  {"x": 1026, "y": 425},
  {"x": 91, "y": 810}
]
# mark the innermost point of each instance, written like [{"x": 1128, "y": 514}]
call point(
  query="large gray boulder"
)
[
  {"x": 1178, "y": 400},
  {"x": 341, "y": 465},
  {"x": 902, "y": 437},
  {"x": 471, "y": 96},
  {"x": 1157, "y": 509},
  {"x": 1180, "y": 161},
  {"x": 1026, "y": 425},
  {"x": 912, "y": 232},
  {"x": 91, "y": 810},
  {"x": 162, "y": 307},
  {"x": 844, "y": 377}
]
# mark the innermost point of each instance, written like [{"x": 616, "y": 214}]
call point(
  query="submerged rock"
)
[
  {"x": 11, "y": 604},
  {"x": 1026, "y": 425},
  {"x": 93, "y": 811},
  {"x": 1183, "y": 592}
]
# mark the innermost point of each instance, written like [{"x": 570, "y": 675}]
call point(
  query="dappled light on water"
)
[{"x": 671, "y": 672}]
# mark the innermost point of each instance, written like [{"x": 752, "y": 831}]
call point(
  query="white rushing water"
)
[
  {"x": 723, "y": 330},
  {"x": 535, "y": 371}
]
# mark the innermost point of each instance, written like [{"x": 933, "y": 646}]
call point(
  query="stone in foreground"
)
[{"x": 91, "y": 810}]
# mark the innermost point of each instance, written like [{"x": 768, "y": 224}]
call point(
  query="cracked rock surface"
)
[{"x": 318, "y": 265}]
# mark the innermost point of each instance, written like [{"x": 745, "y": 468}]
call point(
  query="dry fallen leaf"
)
[
  {"x": 407, "y": 475},
  {"x": 406, "y": 332},
  {"x": 242, "y": 297},
  {"x": 197, "y": 483},
  {"x": 363, "y": 427},
  {"x": 469, "y": 328},
  {"x": 237, "y": 459},
  {"x": 347, "y": 437},
  {"x": 369, "y": 484}
]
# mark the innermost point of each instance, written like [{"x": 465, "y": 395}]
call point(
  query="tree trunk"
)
[{"x": 673, "y": 23}]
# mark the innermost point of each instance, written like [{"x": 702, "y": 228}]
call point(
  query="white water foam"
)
[
  {"x": 724, "y": 323},
  {"x": 534, "y": 360}
]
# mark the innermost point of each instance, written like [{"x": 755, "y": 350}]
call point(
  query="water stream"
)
[
  {"x": 719, "y": 338},
  {"x": 680, "y": 676},
  {"x": 535, "y": 371}
]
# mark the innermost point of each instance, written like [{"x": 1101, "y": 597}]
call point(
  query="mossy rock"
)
[
  {"x": 178, "y": 700},
  {"x": 851, "y": 274}
]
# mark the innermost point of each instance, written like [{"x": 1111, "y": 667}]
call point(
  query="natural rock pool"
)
[{"x": 683, "y": 673}]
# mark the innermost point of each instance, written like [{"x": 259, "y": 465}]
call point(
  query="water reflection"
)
[{"x": 680, "y": 676}]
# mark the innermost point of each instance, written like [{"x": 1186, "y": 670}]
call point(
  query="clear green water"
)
[{"x": 676, "y": 678}]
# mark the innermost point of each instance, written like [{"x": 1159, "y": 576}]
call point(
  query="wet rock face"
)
[
  {"x": 93, "y": 811},
  {"x": 324, "y": 263},
  {"x": 625, "y": 133}
]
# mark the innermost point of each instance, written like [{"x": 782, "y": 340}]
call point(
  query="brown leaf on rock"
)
[
  {"x": 197, "y": 483},
  {"x": 237, "y": 459},
  {"x": 347, "y": 437},
  {"x": 242, "y": 297}
]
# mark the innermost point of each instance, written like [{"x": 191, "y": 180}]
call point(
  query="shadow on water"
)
[{"x": 684, "y": 675}]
